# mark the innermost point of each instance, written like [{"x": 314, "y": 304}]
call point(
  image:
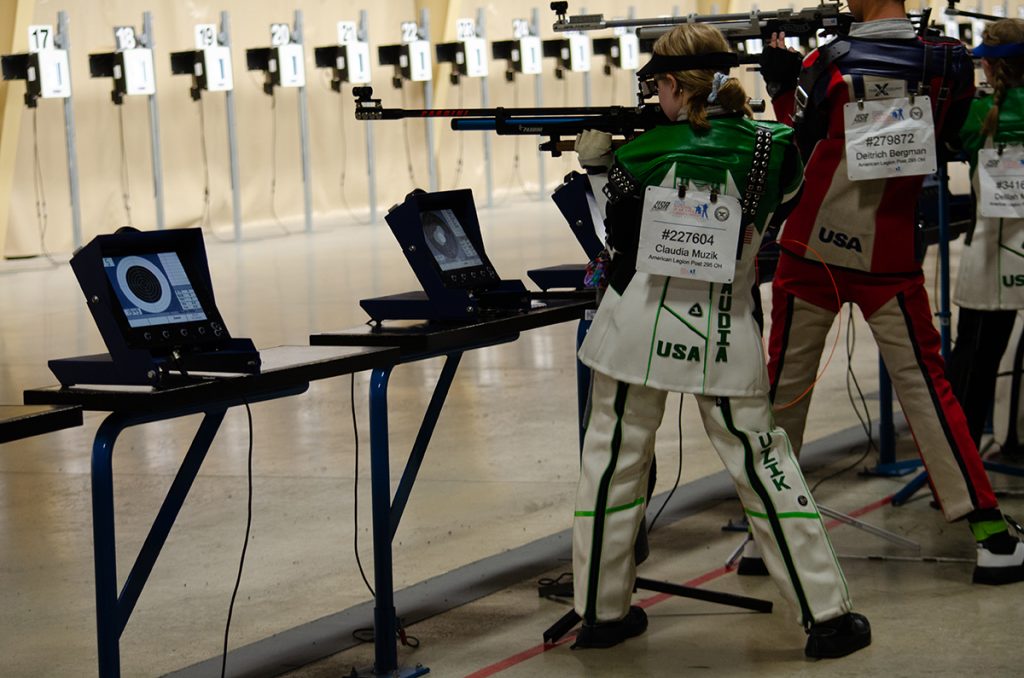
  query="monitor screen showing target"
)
[
  {"x": 448, "y": 242},
  {"x": 153, "y": 289}
]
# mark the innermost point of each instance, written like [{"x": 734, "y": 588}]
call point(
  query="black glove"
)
[{"x": 780, "y": 69}]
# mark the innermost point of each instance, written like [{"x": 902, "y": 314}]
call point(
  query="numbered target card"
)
[
  {"x": 216, "y": 59},
  {"x": 354, "y": 57},
  {"x": 474, "y": 48},
  {"x": 416, "y": 60},
  {"x": 291, "y": 61},
  {"x": 579, "y": 53},
  {"x": 48, "y": 64},
  {"x": 136, "y": 61},
  {"x": 531, "y": 52},
  {"x": 628, "y": 48}
]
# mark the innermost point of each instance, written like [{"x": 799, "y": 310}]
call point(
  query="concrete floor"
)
[{"x": 500, "y": 475}]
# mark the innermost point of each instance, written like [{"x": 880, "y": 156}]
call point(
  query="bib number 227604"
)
[{"x": 691, "y": 237}]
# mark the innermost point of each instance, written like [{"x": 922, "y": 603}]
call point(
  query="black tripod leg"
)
[
  {"x": 561, "y": 627},
  {"x": 745, "y": 602}
]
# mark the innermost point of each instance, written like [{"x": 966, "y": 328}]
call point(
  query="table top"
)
[
  {"x": 24, "y": 421},
  {"x": 416, "y": 336},
  {"x": 284, "y": 368}
]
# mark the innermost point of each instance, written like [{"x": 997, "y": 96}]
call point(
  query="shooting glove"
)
[
  {"x": 594, "y": 150},
  {"x": 780, "y": 69}
]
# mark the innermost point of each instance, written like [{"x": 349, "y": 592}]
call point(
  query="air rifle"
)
[
  {"x": 559, "y": 125},
  {"x": 811, "y": 22}
]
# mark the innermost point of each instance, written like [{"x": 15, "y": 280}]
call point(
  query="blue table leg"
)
[
  {"x": 167, "y": 514},
  {"x": 904, "y": 495},
  {"x": 426, "y": 432},
  {"x": 887, "y": 465},
  {"x": 113, "y": 611},
  {"x": 104, "y": 550},
  {"x": 384, "y": 621}
]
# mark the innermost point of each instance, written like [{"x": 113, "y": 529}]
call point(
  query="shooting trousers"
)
[
  {"x": 610, "y": 500},
  {"x": 804, "y": 306}
]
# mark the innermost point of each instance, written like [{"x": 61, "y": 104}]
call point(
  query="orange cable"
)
[{"x": 839, "y": 330}]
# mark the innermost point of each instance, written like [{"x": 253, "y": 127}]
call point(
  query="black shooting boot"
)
[
  {"x": 838, "y": 637},
  {"x": 609, "y": 634}
]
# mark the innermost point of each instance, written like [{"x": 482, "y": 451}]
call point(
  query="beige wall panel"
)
[{"x": 337, "y": 140}]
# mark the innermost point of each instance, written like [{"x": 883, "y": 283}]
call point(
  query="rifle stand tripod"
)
[{"x": 570, "y": 619}]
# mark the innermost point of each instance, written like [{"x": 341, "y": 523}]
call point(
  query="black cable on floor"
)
[
  {"x": 865, "y": 420},
  {"x": 245, "y": 547},
  {"x": 679, "y": 468}
]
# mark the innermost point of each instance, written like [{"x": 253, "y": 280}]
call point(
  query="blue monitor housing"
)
[
  {"x": 440, "y": 237},
  {"x": 152, "y": 299},
  {"x": 575, "y": 200}
]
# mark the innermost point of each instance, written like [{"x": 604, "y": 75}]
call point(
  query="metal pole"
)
[
  {"x": 428, "y": 102},
  {"x": 307, "y": 179},
  {"x": 154, "y": 129},
  {"x": 538, "y": 95},
  {"x": 371, "y": 164},
  {"x": 886, "y": 428},
  {"x": 586, "y": 74},
  {"x": 63, "y": 41},
  {"x": 481, "y": 28},
  {"x": 632, "y": 73},
  {"x": 944, "y": 303},
  {"x": 236, "y": 185}
]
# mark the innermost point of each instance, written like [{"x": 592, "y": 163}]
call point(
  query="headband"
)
[
  {"x": 668, "y": 63},
  {"x": 1010, "y": 49}
]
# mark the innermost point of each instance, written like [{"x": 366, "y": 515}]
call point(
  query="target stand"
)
[{"x": 151, "y": 296}]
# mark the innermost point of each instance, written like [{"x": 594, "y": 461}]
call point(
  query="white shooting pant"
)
[{"x": 610, "y": 500}]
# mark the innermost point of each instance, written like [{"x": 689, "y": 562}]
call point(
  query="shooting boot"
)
[
  {"x": 609, "y": 634},
  {"x": 1000, "y": 560},
  {"x": 838, "y": 637}
]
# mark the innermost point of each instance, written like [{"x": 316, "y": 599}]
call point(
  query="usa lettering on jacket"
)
[{"x": 839, "y": 239}]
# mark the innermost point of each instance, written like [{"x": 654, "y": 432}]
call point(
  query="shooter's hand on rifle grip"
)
[
  {"x": 594, "y": 149},
  {"x": 780, "y": 66}
]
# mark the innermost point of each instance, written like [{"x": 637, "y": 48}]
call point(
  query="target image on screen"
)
[
  {"x": 153, "y": 289},
  {"x": 448, "y": 242}
]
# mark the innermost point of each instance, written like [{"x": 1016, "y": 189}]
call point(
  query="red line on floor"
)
[{"x": 523, "y": 656}]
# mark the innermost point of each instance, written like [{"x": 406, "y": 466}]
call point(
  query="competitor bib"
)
[
  {"x": 1001, "y": 180},
  {"x": 689, "y": 237},
  {"x": 889, "y": 138}
]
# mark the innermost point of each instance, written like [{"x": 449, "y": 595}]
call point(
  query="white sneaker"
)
[{"x": 999, "y": 568}]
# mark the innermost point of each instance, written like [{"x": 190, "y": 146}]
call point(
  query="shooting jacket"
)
[
  {"x": 992, "y": 264},
  {"x": 867, "y": 225},
  {"x": 681, "y": 334}
]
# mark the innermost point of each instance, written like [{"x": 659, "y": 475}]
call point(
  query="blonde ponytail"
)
[
  {"x": 697, "y": 38},
  {"x": 1006, "y": 73}
]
